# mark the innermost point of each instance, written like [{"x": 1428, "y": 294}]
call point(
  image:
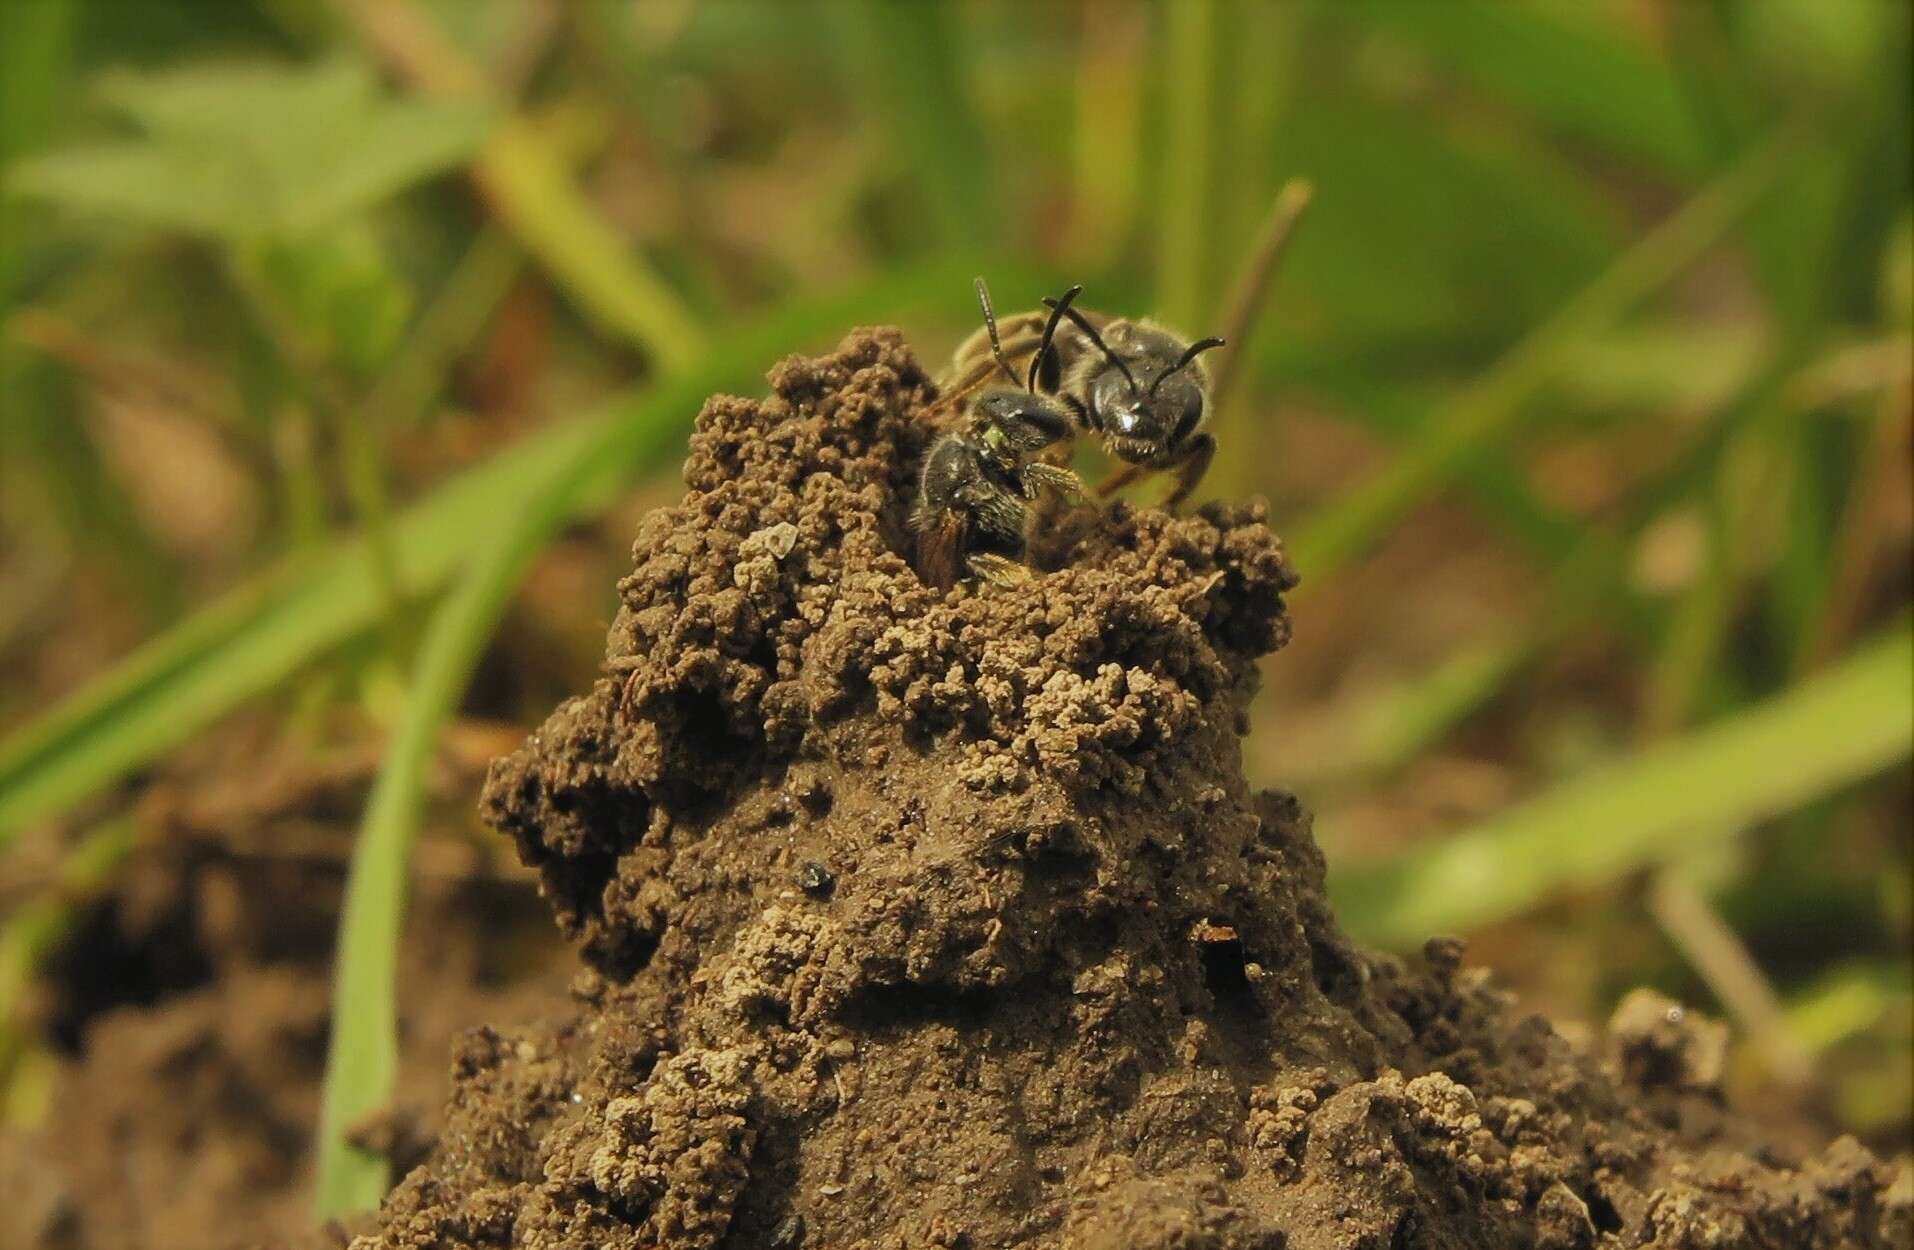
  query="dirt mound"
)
[{"x": 947, "y": 920}]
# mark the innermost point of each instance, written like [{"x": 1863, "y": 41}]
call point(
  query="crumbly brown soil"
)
[
  {"x": 948, "y": 920},
  {"x": 190, "y": 1011}
]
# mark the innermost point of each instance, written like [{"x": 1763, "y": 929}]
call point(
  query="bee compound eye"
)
[{"x": 1189, "y": 414}]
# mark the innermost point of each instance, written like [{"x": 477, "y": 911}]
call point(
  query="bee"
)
[
  {"x": 978, "y": 480},
  {"x": 1136, "y": 387}
]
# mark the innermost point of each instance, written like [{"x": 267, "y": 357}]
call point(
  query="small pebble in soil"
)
[{"x": 815, "y": 878}]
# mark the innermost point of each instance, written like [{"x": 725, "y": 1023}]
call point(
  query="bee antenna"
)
[
  {"x": 1078, "y": 319},
  {"x": 1057, "y": 310},
  {"x": 990, "y": 323},
  {"x": 1191, "y": 353}
]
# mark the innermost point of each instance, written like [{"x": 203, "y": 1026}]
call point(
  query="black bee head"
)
[{"x": 1149, "y": 393}]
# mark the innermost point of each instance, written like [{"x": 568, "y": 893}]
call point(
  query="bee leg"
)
[
  {"x": 1195, "y": 462},
  {"x": 998, "y": 570},
  {"x": 1054, "y": 478},
  {"x": 1123, "y": 477}
]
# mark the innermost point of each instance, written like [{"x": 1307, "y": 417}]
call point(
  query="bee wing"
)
[
  {"x": 940, "y": 548},
  {"x": 1065, "y": 349},
  {"x": 1100, "y": 320},
  {"x": 973, "y": 357},
  {"x": 956, "y": 392},
  {"x": 1071, "y": 339},
  {"x": 973, "y": 363}
]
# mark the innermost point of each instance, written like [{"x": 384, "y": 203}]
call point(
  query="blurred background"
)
[{"x": 342, "y": 344}]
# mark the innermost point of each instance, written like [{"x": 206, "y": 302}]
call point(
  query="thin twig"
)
[
  {"x": 138, "y": 376},
  {"x": 1712, "y": 948},
  {"x": 409, "y": 41},
  {"x": 1862, "y": 535},
  {"x": 1246, "y": 301}
]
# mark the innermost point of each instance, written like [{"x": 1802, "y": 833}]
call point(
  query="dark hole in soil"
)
[
  {"x": 1092, "y": 937},
  {"x": 705, "y": 730},
  {"x": 764, "y": 1212},
  {"x": 908, "y": 1006},
  {"x": 1067, "y": 862},
  {"x": 102, "y": 966},
  {"x": 1606, "y": 1218},
  {"x": 1651, "y": 1066},
  {"x": 622, "y": 953},
  {"x": 817, "y": 800},
  {"x": 1225, "y": 972},
  {"x": 708, "y": 755},
  {"x": 577, "y": 882}
]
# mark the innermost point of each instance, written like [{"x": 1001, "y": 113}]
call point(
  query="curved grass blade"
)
[
  {"x": 362, "y": 1060},
  {"x": 1573, "y": 68},
  {"x": 1491, "y": 406},
  {"x": 534, "y": 194},
  {"x": 1651, "y": 807}
]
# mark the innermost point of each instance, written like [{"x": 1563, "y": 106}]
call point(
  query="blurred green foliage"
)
[
  {"x": 1583, "y": 394},
  {"x": 202, "y": 163}
]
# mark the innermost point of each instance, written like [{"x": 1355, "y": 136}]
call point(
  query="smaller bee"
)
[
  {"x": 978, "y": 480},
  {"x": 1144, "y": 393}
]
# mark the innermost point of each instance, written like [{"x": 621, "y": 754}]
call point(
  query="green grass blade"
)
[
  {"x": 524, "y": 175},
  {"x": 1191, "y": 68},
  {"x": 362, "y": 1061},
  {"x": 1398, "y": 722},
  {"x": 458, "y": 313},
  {"x": 1573, "y": 67},
  {"x": 1491, "y": 406},
  {"x": 911, "y": 57},
  {"x": 1847, "y": 724},
  {"x": 251, "y": 639},
  {"x": 532, "y": 192},
  {"x": 1845, "y": 1001},
  {"x": 36, "y": 55}
]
